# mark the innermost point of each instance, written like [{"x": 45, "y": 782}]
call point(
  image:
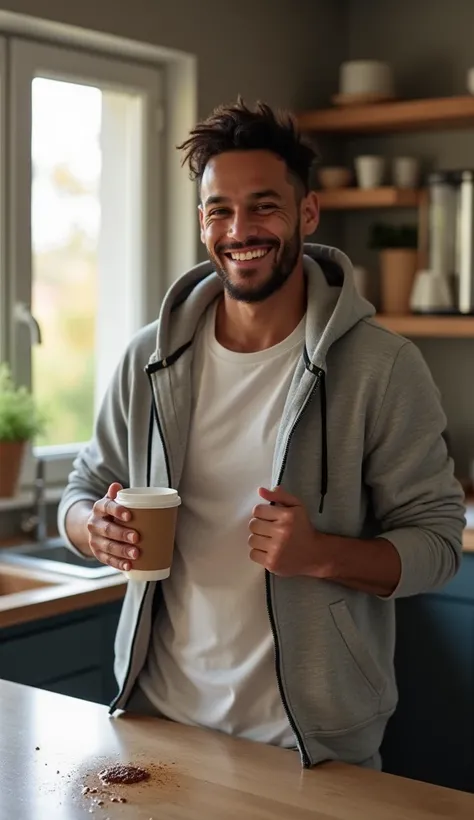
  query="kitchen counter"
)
[
  {"x": 29, "y": 595},
  {"x": 52, "y": 746},
  {"x": 468, "y": 535}
]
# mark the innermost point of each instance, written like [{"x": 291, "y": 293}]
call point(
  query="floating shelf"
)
[
  {"x": 355, "y": 198},
  {"x": 429, "y": 326},
  {"x": 408, "y": 115}
]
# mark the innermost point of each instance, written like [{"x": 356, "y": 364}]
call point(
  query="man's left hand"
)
[{"x": 282, "y": 538}]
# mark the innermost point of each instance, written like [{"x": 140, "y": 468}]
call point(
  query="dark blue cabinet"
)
[
  {"x": 431, "y": 735},
  {"x": 70, "y": 654}
]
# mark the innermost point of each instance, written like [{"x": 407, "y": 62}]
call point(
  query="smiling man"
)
[{"x": 307, "y": 446}]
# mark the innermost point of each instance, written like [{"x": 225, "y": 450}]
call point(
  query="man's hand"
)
[
  {"x": 111, "y": 541},
  {"x": 284, "y": 541},
  {"x": 282, "y": 538}
]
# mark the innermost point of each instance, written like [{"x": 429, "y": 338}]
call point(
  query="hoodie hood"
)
[
  {"x": 334, "y": 305},
  {"x": 333, "y": 308}
]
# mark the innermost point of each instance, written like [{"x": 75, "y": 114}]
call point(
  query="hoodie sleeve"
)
[
  {"x": 104, "y": 459},
  {"x": 416, "y": 498}
]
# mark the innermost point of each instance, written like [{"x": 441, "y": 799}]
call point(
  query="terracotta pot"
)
[
  {"x": 11, "y": 459},
  {"x": 397, "y": 271}
]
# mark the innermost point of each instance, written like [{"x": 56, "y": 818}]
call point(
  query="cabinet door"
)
[
  {"x": 431, "y": 735},
  {"x": 72, "y": 654},
  {"x": 86, "y": 685},
  {"x": 52, "y": 652}
]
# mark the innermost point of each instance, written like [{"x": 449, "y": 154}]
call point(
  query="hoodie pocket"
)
[
  {"x": 348, "y": 688},
  {"x": 355, "y": 644}
]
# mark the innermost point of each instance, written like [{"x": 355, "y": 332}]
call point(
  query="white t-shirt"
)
[{"x": 211, "y": 658}]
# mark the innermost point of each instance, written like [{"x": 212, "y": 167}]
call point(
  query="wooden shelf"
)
[
  {"x": 408, "y": 115},
  {"x": 429, "y": 326},
  {"x": 355, "y": 198}
]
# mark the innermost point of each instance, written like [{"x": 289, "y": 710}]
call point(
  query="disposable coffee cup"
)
[{"x": 154, "y": 512}]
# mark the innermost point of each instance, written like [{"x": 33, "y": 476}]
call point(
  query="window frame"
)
[{"x": 178, "y": 196}]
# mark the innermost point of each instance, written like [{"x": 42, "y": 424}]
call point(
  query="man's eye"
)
[
  {"x": 266, "y": 206},
  {"x": 219, "y": 212}
]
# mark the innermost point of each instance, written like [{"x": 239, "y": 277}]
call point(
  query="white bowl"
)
[
  {"x": 365, "y": 77},
  {"x": 470, "y": 81},
  {"x": 334, "y": 177}
]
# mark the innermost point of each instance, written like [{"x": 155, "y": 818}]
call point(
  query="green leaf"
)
[{"x": 20, "y": 418}]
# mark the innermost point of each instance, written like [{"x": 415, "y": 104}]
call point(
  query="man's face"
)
[{"x": 253, "y": 222}]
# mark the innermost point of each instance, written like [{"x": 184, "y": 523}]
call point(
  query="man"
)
[{"x": 307, "y": 446}]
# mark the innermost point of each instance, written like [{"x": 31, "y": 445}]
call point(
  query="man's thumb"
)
[
  {"x": 114, "y": 489},
  {"x": 279, "y": 496}
]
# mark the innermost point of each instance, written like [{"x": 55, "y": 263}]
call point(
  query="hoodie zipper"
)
[
  {"x": 302, "y": 749},
  {"x": 271, "y": 615},
  {"x": 160, "y": 429},
  {"x": 117, "y": 699}
]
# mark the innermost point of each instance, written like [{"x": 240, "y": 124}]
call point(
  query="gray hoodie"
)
[{"x": 360, "y": 443}]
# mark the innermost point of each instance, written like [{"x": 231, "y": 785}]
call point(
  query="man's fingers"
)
[
  {"x": 267, "y": 513},
  {"x": 259, "y": 542},
  {"x": 258, "y": 557},
  {"x": 113, "y": 553},
  {"x": 261, "y": 527},
  {"x": 107, "y": 506},
  {"x": 111, "y": 561},
  {"x": 115, "y": 548},
  {"x": 106, "y": 528}
]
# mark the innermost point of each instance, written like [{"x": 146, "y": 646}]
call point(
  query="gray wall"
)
[
  {"x": 430, "y": 46},
  {"x": 286, "y": 52},
  {"x": 276, "y": 49}
]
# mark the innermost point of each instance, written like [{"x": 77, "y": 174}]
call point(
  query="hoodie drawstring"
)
[
  {"x": 151, "y": 425},
  {"x": 324, "y": 441},
  {"x": 323, "y": 410}
]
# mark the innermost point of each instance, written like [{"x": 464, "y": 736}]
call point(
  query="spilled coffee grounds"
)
[{"x": 115, "y": 775}]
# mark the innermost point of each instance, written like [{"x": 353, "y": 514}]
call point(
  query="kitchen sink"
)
[
  {"x": 54, "y": 556},
  {"x": 12, "y": 583}
]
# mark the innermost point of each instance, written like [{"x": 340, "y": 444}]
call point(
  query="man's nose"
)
[{"x": 241, "y": 225}]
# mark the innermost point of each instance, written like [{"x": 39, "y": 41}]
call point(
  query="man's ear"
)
[
  {"x": 201, "y": 224},
  {"x": 309, "y": 213}
]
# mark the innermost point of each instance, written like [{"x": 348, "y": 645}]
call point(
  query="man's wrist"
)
[
  {"x": 327, "y": 551},
  {"x": 76, "y": 526},
  {"x": 368, "y": 565}
]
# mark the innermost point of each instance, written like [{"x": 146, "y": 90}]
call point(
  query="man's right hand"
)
[{"x": 111, "y": 541}]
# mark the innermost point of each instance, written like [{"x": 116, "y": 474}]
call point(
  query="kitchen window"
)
[{"x": 80, "y": 226}]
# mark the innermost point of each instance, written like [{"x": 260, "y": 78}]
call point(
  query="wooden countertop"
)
[
  {"x": 468, "y": 541},
  {"x": 210, "y": 776}
]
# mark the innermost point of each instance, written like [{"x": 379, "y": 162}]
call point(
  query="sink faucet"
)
[{"x": 37, "y": 522}]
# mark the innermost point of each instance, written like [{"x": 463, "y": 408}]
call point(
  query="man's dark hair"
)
[{"x": 237, "y": 128}]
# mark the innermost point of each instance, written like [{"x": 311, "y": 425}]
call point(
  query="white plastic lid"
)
[{"x": 148, "y": 498}]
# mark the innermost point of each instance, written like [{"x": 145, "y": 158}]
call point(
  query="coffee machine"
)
[{"x": 451, "y": 236}]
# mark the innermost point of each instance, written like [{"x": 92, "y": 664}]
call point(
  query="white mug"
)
[
  {"x": 405, "y": 172},
  {"x": 430, "y": 293},
  {"x": 370, "y": 171}
]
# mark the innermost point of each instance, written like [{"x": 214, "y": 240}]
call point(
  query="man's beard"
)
[{"x": 280, "y": 273}]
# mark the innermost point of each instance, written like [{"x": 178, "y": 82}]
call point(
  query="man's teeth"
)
[{"x": 243, "y": 257}]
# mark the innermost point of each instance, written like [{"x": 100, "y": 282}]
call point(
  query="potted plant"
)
[
  {"x": 398, "y": 254},
  {"x": 20, "y": 422}
]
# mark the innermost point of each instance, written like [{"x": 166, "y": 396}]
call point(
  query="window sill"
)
[
  {"x": 24, "y": 500},
  {"x": 57, "y": 467}
]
